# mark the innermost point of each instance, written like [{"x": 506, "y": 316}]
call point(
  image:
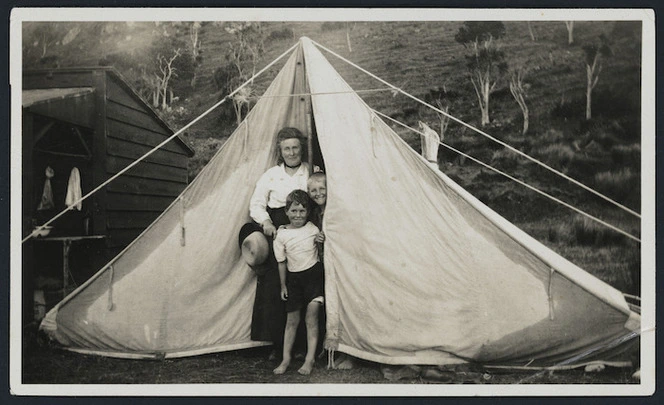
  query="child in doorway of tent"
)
[
  {"x": 317, "y": 189},
  {"x": 301, "y": 276}
]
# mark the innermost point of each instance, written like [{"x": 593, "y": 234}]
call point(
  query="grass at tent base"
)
[{"x": 48, "y": 364}]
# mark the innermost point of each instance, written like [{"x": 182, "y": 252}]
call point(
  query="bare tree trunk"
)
[
  {"x": 238, "y": 111},
  {"x": 485, "y": 107},
  {"x": 589, "y": 94},
  {"x": 570, "y": 32},
  {"x": 592, "y": 74},
  {"x": 532, "y": 33},
  {"x": 444, "y": 119},
  {"x": 519, "y": 94}
]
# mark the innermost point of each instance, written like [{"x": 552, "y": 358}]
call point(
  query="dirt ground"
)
[{"x": 45, "y": 363}]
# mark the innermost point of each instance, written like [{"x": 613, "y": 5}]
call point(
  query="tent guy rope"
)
[
  {"x": 549, "y": 196},
  {"x": 513, "y": 149}
]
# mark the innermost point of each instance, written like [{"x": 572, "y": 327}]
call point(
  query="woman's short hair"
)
[
  {"x": 298, "y": 196},
  {"x": 291, "y": 133}
]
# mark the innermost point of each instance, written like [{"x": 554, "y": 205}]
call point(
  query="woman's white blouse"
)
[{"x": 272, "y": 189}]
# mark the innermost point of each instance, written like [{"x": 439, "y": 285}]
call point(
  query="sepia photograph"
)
[{"x": 276, "y": 202}]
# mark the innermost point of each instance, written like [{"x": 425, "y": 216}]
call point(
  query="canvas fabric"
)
[{"x": 417, "y": 271}]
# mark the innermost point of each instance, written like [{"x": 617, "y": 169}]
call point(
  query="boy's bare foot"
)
[
  {"x": 306, "y": 367},
  {"x": 282, "y": 367}
]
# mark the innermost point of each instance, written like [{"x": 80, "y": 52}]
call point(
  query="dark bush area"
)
[
  {"x": 284, "y": 33},
  {"x": 617, "y": 184},
  {"x": 572, "y": 109},
  {"x": 626, "y": 155},
  {"x": 441, "y": 94},
  {"x": 332, "y": 25},
  {"x": 590, "y": 233}
]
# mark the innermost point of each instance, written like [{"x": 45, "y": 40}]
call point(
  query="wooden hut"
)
[{"x": 92, "y": 120}]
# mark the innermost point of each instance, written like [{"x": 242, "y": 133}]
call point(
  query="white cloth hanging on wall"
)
[
  {"x": 74, "y": 193},
  {"x": 46, "y": 202}
]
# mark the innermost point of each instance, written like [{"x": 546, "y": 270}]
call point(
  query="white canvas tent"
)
[{"x": 417, "y": 270}]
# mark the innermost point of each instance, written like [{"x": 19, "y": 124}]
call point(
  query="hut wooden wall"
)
[{"x": 136, "y": 198}]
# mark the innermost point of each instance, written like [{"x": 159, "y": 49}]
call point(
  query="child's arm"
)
[
  {"x": 320, "y": 237},
  {"x": 282, "y": 278}
]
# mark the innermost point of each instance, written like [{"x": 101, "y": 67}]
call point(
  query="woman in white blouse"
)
[{"x": 267, "y": 210}]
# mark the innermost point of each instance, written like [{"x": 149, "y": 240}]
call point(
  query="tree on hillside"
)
[
  {"x": 518, "y": 90},
  {"x": 486, "y": 64},
  {"x": 570, "y": 32},
  {"x": 163, "y": 70},
  {"x": 195, "y": 47},
  {"x": 244, "y": 53},
  {"x": 594, "y": 54},
  {"x": 39, "y": 38}
]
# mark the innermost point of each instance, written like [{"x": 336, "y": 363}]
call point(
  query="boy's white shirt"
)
[{"x": 296, "y": 246}]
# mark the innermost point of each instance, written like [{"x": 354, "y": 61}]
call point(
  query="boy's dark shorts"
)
[{"x": 304, "y": 286}]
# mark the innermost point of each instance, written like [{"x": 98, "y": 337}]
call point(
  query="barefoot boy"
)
[{"x": 301, "y": 276}]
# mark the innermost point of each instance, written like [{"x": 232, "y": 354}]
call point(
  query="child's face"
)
[
  {"x": 318, "y": 192},
  {"x": 297, "y": 215}
]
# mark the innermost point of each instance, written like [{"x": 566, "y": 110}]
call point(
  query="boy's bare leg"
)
[
  {"x": 292, "y": 320},
  {"x": 311, "y": 320}
]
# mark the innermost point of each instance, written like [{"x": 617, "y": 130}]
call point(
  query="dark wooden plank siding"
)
[
  {"x": 121, "y": 130},
  {"x": 120, "y": 238},
  {"x": 116, "y": 93},
  {"x": 141, "y": 119},
  {"x": 132, "y": 150},
  {"x": 137, "y": 185},
  {"x": 130, "y": 202},
  {"x": 115, "y": 164},
  {"x": 99, "y": 174},
  {"x": 42, "y": 80},
  {"x": 130, "y": 220}
]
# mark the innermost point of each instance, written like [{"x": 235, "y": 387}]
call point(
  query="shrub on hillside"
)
[
  {"x": 591, "y": 233},
  {"x": 505, "y": 159},
  {"x": 617, "y": 102},
  {"x": 205, "y": 149},
  {"x": 550, "y": 136},
  {"x": 626, "y": 155},
  {"x": 332, "y": 25},
  {"x": 572, "y": 109},
  {"x": 284, "y": 33},
  {"x": 619, "y": 185},
  {"x": 558, "y": 155},
  {"x": 561, "y": 233}
]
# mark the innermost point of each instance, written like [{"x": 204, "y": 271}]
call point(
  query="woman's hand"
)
[
  {"x": 284, "y": 293},
  {"x": 269, "y": 228},
  {"x": 320, "y": 237}
]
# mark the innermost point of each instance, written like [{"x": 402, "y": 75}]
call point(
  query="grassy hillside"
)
[{"x": 424, "y": 59}]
